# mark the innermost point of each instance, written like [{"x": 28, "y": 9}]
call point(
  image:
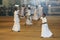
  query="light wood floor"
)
[{"x": 28, "y": 32}]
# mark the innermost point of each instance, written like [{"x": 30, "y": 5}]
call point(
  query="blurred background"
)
[{"x": 52, "y": 7}]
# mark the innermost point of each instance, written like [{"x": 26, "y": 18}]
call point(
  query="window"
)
[{"x": 0, "y": 2}]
